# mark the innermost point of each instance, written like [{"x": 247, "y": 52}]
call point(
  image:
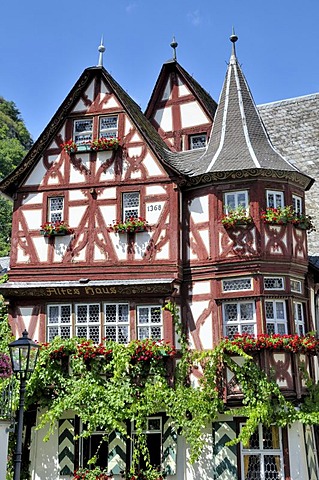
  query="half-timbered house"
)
[{"x": 78, "y": 269}]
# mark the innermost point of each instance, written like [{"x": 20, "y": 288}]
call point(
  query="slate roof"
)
[{"x": 293, "y": 125}]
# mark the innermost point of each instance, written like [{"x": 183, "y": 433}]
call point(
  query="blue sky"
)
[{"x": 45, "y": 46}]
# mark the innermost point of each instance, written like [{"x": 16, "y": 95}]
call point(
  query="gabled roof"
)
[
  {"x": 206, "y": 101},
  {"x": 9, "y": 185},
  {"x": 239, "y": 140}
]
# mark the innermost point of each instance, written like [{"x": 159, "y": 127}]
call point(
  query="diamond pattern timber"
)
[
  {"x": 312, "y": 460},
  {"x": 117, "y": 453},
  {"x": 66, "y": 446},
  {"x": 225, "y": 458},
  {"x": 169, "y": 448}
]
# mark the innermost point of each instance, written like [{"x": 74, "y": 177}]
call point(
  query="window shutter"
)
[
  {"x": 225, "y": 458},
  {"x": 117, "y": 453},
  {"x": 66, "y": 446},
  {"x": 169, "y": 448}
]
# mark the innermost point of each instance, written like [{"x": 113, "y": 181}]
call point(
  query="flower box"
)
[
  {"x": 285, "y": 215},
  {"x": 131, "y": 225},
  {"x": 54, "y": 229},
  {"x": 102, "y": 143},
  {"x": 236, "y": 217}
]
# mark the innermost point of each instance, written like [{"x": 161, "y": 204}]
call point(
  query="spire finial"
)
[
  {"x": 101, "y": 49},
  {"x": 233, "y": 38},
  {"x": 174, "y": 45}
]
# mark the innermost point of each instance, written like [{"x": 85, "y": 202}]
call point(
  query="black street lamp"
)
[{"x": 24, "y": 354}]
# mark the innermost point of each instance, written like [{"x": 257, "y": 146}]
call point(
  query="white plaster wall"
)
[
  {"x": 206, "y": 333},
  {"x": 4, "y": 435},
  {"x": 152, "y": 166},
  {"x": 32, "y": 198},
  {"x": 155, "y": 190},
  {"x": 75, "y": 214},
  {"x": 153, "y": 211},
  {"x": 198, "y": 209},
  {"x": 33, "y": 218},
  {"x": 192, "y": 114},
  {"x": 199, "y": 288},
  {"x": 41, "y": 245},
  {"x": 164, "y": 119},
  {"x": 112, "y": 103},
  {"x": 182, "y": 89},
  {"x": 167, "y": 90},
  {"x": 109, "y": 213},
  {"x": 26, "y": 313},
  {"x": 37, "y": 174},
  {"x": 128, "y": 126},
  {"x": 102, "y": 157},
  {"x": 297, "y": 453},
  {"x": 119, "y": 242}
]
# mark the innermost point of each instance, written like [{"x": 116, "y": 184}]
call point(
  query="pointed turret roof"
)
[{"x": 239, "y": 140}]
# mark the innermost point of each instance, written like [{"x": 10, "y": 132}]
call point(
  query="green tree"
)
[{"x": 15, "y": 141}]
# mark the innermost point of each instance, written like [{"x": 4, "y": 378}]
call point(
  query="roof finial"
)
[
  {"x": 101, "y": 49},
  {"x": 174, "y": 45},
  {"x": 233, "y": 38}
]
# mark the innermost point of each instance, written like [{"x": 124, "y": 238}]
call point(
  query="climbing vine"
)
[{"x": 108, "y": 384}]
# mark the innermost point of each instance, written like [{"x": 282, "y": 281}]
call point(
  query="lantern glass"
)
[{"x": 24, "y": 354}]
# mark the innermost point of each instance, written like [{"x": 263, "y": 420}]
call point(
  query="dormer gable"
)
[{"x": 180, "y": 109}]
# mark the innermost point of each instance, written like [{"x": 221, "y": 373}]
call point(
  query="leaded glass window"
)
[
  {"x": 276, "y": 318},
  {"x": 87, "y": 321},
  {"x": 197, "y": 141},
  {"x": 262, "y": 459},
  {"x": 131, "y": 205},
  {"x": 149, "y": 322},
  {"x": 116, "y": 322},
  {"x": 55, "y": 209},
  {"x": 274, "y": 283},
  {"x": 237, "y": 284},
  {"x": 108, "y": 127},
  {"x": 82, "y": 131},
  {"x": 58, "y": 321},
  {"x": 239, "y": 317},
  {"x": 275, "y": 199}
]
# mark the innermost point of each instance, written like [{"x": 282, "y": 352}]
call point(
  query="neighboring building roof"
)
[{"x": 293, "y": 125}]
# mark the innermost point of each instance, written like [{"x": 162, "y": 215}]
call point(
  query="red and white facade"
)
[{"x": 95, "y": 283}]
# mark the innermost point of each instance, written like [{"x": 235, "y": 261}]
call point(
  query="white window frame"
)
[
  {"x": 230, "y": 205},
  {"x": 299, "y": 318},
  {"x": 88, "y": 324},
  {"x": 277, "y": 200},
  {"x": 239, "y": 322},
  {"x": 281, "y": 279},
  {"x": 237, "y": 280},
  {"x": 118, "y": 323},
  {"x": 275, "y": 320},
  {"x": 126, "y": 208},
  {"x": 149, "y": 325},
  {"x": 83, "y": 137},
  {"x": 55, "y": 214},
  {"x": 297, "y": 204},
  {"x": 108, "y": 132},
  {"x": 193, "y": 141},
  {"x": 62, "y": 323},
  {"x": 262, "y": 453}
]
